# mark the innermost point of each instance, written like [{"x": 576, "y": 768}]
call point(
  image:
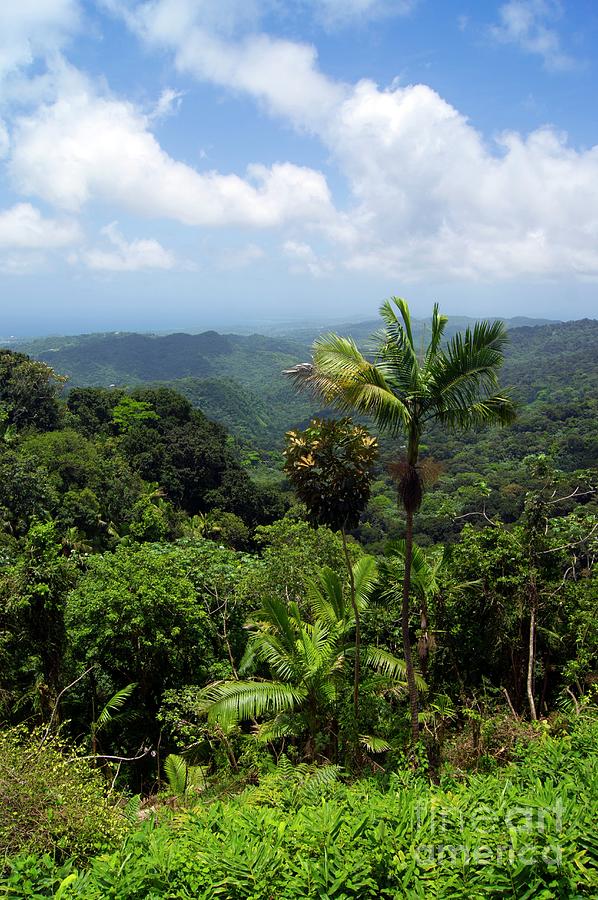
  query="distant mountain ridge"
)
[{"x": 236, "y": 379}]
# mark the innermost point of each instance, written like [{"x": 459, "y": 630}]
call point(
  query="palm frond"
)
[
  {"x": 488, "y": 411},
  {"x": 116, "y": 702},
  {"x": 423, "y": 573},
  {"x": 439, "y": 323},
  {"x": 267, "y": 648},
  {"x": 365, "y": 576},
  {"x": 345, "y": 378},
  {"x": 399, "y": 346},
  {"x": 237, "y": 701},
  {"x": 466, "y": 372},
  {"x": 388, "y": 664},
  {"x": 275, "y": 613},
  {"x": 326, "y": 596},
  {"x": 374, "y": 744},
  {"x": 273, "y": 729}
]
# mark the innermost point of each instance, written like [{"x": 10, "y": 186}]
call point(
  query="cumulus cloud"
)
[
  {"x": 23, "y": 227},
  {"x": 429, "y": 195},
  {"x": 84, "y": 147},
  {"x": 282, "y": 74},
  {"x": 34, "y": 29},
  {"x": 529, "y": 25},
  {"x": 433, "y": 196},
  {"x": 126, "y": 256}
]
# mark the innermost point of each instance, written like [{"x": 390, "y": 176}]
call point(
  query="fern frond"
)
[{"x": 175, "y": 769}]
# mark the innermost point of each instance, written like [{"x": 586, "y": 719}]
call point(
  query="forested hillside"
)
[{"x": 356, "y": 661}]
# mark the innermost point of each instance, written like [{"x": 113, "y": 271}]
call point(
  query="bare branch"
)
[
  {"x": 55, "y": 708},
  {"x": 574, "y": 543}
]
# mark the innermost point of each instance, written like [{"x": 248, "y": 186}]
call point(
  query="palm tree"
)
[
  {"x": 424, "y": 585},
  {"x": 330, "y": 466},
  {"x": 405, "y": 391},
  {"x": 307, "y": 660}
]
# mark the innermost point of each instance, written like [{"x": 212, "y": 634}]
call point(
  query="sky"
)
[{"x": 180, "y": 164}]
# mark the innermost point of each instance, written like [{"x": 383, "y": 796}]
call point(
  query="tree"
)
[
  {"x": 424, "y": 585},
  {"x": 307, "y": 663},
  {"x": 404, "y": 391},
  {"x": 330, "y": 466},
  {"x": 33, "y": 597},
  {"x": 29, "y": 392}
]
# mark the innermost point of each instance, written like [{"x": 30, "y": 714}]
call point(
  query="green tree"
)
[
  {"x": 29, "y": 392},
  {"x": 405, "y": 391},
  {"x": 330, "y": 466},
  {"x": 135, "y": 617},
  {"x": 307, "y": 661},
  {"x": 292, "y": 555},
  {"x": 33, "y": 595}
]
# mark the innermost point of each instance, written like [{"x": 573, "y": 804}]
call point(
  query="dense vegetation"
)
[{"x": 205, "y": 669}]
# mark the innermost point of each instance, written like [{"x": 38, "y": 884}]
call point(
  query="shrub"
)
[{"x": 51, "y": 800}]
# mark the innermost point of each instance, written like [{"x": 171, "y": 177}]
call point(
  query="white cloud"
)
[
  {"x": 304, "y": 259},
  {"x": 22, "y": 263},
  {"x": 33, "y": 29},
  {"x": 125, "y": 256},
  {"x": 527, "y": 24},
  {"x": 4, "y": 140},
  {"x": 282, "y": 74},
  {"x": 430, "y": 197},
  {"x": 84, "y": 147},
  {"x": 168, "y": 104},
  {"x": 23, "y": 227}
]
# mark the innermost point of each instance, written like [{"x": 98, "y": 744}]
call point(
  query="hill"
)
[{"x": 551, "y": 369}]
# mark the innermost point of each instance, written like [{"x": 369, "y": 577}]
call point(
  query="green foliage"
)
[
  {"x": 184, "y": 780},
  {"x": 51, "y": 801},
  {"x": 293, "y": 553},
  {"x": 523, "y": 831},
  {"x": 135, "y": 615},
  {"x": 28, "y": 392},
  {"x": 307, "y": 661},
  {"x": 482, "y": 610},
  {"x": 129, "y": 412},
  {"x": 33, "y": 593},
  {"x": 329, "y": 465}
]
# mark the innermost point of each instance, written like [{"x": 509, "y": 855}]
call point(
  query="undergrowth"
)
[{"x": 525, "y": 830}]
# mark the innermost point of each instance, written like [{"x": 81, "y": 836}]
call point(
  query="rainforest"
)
[{"x": 292, "y": 619}]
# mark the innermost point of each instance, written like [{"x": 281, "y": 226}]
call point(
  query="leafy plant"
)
[
  {"x": 307, "y": 661},
  {"x": 404, "y": 391}
]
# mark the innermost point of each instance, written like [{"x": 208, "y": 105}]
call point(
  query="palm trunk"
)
[
  {"x": 357, "y": 671},
  {"x": 411, "y": 685},
  {"x": 424, "y": 645},
  {"x": 531, "y": 652}
]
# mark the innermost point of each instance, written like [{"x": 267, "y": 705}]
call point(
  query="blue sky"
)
[{"x": 187, "y": 163}]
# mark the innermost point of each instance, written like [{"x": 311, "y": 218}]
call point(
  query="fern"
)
[{"x": 175, "y": 769}]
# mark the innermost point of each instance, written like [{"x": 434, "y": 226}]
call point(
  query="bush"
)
[
  {"x": 51, "y": 800},
  {"x": 524, "y": 831}
]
